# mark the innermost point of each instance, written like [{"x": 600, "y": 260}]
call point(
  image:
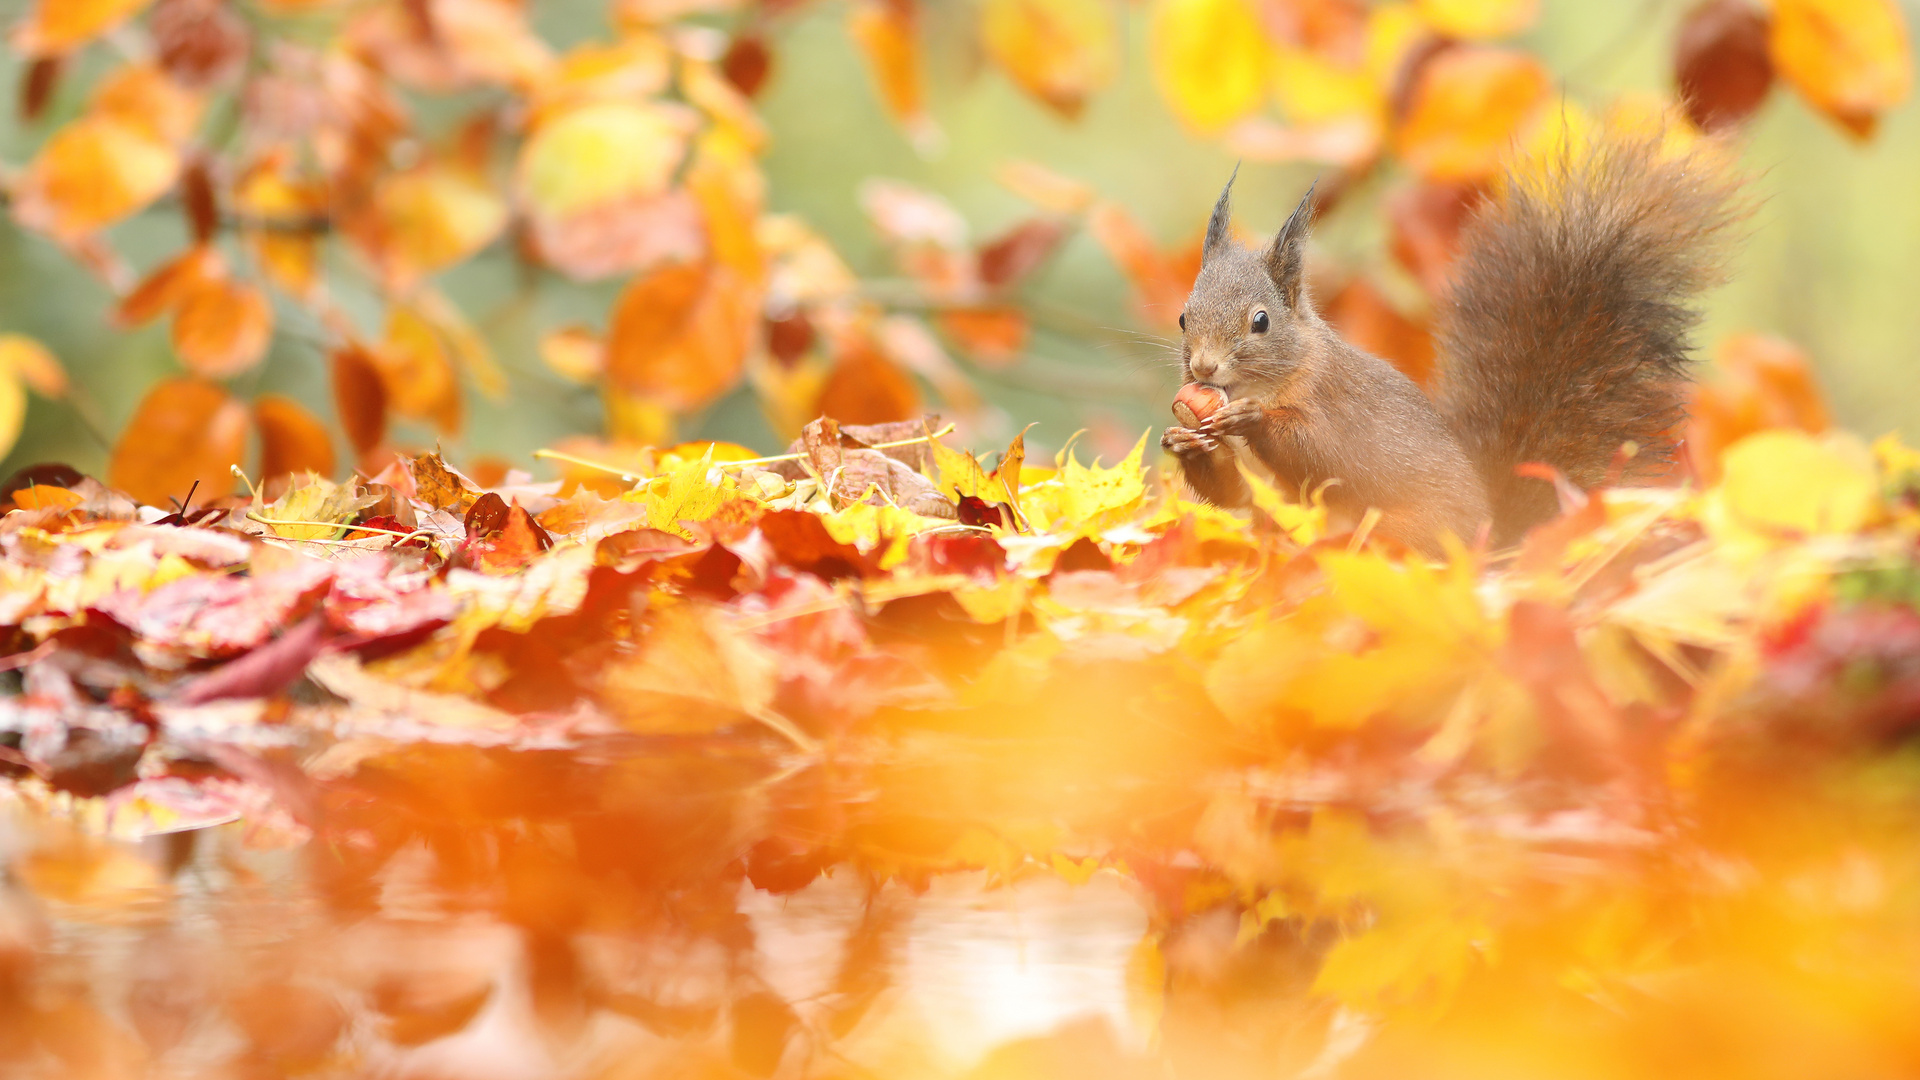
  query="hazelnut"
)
[{"x": 1197, "y": 401}]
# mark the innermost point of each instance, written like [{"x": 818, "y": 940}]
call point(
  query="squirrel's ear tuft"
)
[
  {"x": 1286, "y": 256},
  {"x": 1220, "y": 225}
]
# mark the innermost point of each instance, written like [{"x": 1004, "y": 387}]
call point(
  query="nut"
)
[{"x": 1197, "y": 401}]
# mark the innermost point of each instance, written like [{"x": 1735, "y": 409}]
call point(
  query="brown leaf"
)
[
  {"x": 1020, "y": 251},
  {"x": 197, "y": 200},
  {"x": 185, "y": 430},
  {"x": 747, "y": 63},
  {"x": 292, "y": 440},
  {"x": 1720, "y": 63},
  {"x": 438, "y": 486},
  {"x": 36, "y": 89},
  {"x": 359, "y": 397},
  {"x": 222, "y": 328},
  {"x": 199, "y": 42}
]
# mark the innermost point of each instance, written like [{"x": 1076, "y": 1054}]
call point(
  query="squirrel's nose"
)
[{"x": 1203, "y": 368}]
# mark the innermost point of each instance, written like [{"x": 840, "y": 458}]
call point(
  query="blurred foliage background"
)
[{"x": 1832, "y": 249}]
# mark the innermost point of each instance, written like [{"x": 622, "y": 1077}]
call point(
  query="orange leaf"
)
[
  {"x": 165, "y": 288},
  {"x": 186, "y": 429},
  {"x": 1060, "y": 51},
  {"x": 1365, "y": 317},
  {"x": 92, "y": 173},
  {"x": 418, "y": 374},
  {"x": 1849, "y": 58},
  {"x": 359, "y": 397},
  {"x": 993, "y": 335},
  {"x": 887, "y": 32},
  {"x": 1161, "y": 280},
  {"x": 287, "y": 252},
  {"x": 867, "y": 388},
  {"x": 1468, "y": 106},
  {"x": 222, "y": 328},
  {"x": 428, "y": 218},
  {"x": 292, "y": 440},
  {"x": 56, "y": 26},
  {"x": 1764, "y": 383},
  {"x": 145, "y": 98},
  {"x": 575, "y": 353},
  {"x": 680, "y": 335}
]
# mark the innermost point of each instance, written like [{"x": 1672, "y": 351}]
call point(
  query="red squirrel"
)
[{"x": 1562, "y": 336}]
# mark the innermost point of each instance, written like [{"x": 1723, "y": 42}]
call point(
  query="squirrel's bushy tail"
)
[{"x": 1564, "y": 333}]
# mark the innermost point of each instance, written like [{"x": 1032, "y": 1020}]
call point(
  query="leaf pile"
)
[{"x": 1636, "y": 796}]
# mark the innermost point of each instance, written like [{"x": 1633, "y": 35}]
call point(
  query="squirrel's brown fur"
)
[{"x": 1563, "y": 336}]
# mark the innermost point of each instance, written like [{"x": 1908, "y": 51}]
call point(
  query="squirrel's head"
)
[{"x": 1244, "y": 321}]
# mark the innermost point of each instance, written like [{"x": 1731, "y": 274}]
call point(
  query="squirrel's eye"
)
[
  {"x": 1183, "y": 322},
  {"x": 1259, "y": 322}
]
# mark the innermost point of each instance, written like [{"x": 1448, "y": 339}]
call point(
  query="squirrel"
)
[{"x": 1562, "y": 337}]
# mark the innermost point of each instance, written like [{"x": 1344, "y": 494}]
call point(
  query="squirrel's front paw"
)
[
  {"x": 1186, "y": 442},
  {"x": 1241, "y": 416}
]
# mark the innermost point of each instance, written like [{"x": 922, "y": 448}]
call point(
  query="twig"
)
[{"x": 628, "y": 474}]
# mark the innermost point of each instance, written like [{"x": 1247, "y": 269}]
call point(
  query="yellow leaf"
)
[
  {"x": 958, "y": 474},
  {"x": 13, "y": 411},
  {"x": 575, "y": 353},
  {"x": 417, "y": 372},
  {"x": 1786, "y": 483},
  {"x": 92, "y": 173},
  {"x": 1091, "y": 495},
  {"x": 1209, "y": 59},
  {"x": 600, "y": 154},
  {"x": 57, "y": 26},
  {"x": 885, "y": 31},
  {"x": 1312, "y": 88},
  {"x": 693, "y": 491},
  {"x": 431, "y": 217},
  {"x": 1850, "y": 58},
  {"x": 1474, "y": 19},
  {"x": 1060, "y": 51},
  {"x": 321, "y": 506},
  {"x": 33, "y": 364}
]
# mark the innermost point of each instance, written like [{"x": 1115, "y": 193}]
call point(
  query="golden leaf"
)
[
  {"x": 1468, "y": 106},
  {"x": 1849, "y": 58},
  {"x": 1060, "y": 51},
  {"x": 57, "y": 26},
  {"x": 185, "y": 430},
  {"x": 32, "y": 363},
  {"x": 222, "y": 328},
  {"x": 1210, "y": 60},
  {"x": 92, "y": 173}
]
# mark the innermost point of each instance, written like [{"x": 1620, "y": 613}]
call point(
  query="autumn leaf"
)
[
  {"x": 222, "y": 327},
  {"x": 1721, "y": 64},
  {"x": 680, "y": 335},
  {"x": 185, "y": 431},
  {"x": 1210, "y": 60},
  {"x": 92, "y": 173},
  {"x": 1060, "y": 51},
  {"x": 359, "y": 396},
  {"x": 1476, "y": 19},
  {"x": 575, "y": 353},
  {"x": 57, "y": 26},
  {"x": 32, "y": 363},
  {"x": 865, "y": 387},
  {"x": 1850, "y": 58},
  {"x": 428, "y": 218},
  {"x": 417, "y": 372},
  {"x": 887, "y": 32},
  {"x": 1468, "y": 106},
  {"x": 292, "y": 440}
]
